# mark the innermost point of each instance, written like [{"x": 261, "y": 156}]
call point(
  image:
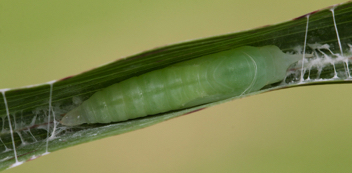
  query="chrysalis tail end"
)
[{"x": 73, "y": 118}]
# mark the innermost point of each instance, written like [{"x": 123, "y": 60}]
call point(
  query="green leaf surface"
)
[{"x": 29, "y": 106}]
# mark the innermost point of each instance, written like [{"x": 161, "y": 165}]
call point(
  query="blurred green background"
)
[{"x": 306, "y": 129}]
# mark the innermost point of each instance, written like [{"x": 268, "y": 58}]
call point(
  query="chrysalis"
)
[{"x": 198, "y": 81}]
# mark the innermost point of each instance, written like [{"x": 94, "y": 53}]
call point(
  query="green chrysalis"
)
[{"x": 202, "y": 80}]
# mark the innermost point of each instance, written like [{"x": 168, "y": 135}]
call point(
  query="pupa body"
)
[{"x": 194, "y": 82}]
